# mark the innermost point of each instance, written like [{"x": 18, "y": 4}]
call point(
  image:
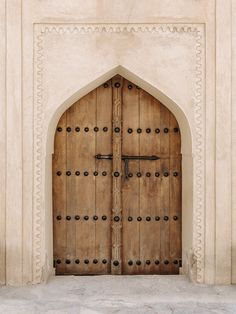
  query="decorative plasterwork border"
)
[{"x": 196, "y": 30}]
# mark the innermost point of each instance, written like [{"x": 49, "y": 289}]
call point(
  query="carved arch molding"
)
[{"x": 196, "y": 33}]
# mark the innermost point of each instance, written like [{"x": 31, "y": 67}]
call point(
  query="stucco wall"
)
[{"x": 180, "y": 51}]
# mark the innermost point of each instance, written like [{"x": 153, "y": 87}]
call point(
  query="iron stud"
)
[
  {"x": 116, "y": 263},
  {"x": 148, "y": 130},
  {"x": 86, "y": 217},
  {"x": 130, "y": 130},
  {"x": 130, "y": 218},
  {"x": 77, "y": 173},
  {"x": 105, "y": 129},
  {"x": 59, "y": 217},
  {"x": 104, "y": 261},
  {"x": 116, "y": 218},
  {"x": 138, "y": 262},
  {"x": 157, "y": 130},
  {"x": 148, "y": 218},
  {"x": 59, "y": 173},
  {"x": 68, "y": 129},
  {"x": 68, "y": 173},
  {"x": 86, "y": 261},
  {"x": 67, "y": 261},
  {"x": 77, "y": 261},
  {"x": 86, "y": 129},
  {"x": 104, "y": 217},
  {"x": 96, "y": 129},
  {"x": 77, "y": 217},
  {"x": 130, "y": 263},
  {"x": 77, "y": 129},
  {"x": 86, "y": 173},
  {"x": 139, "y": 218},
  {"x": 59, "y": 129},
  {"x": 95, "y": 217},
  {"x": 166, "y": 218},
  {"x": 68, "y": 217},
  {"x": 139, "y": 130}
]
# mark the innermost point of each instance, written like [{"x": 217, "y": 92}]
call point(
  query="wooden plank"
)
[{"x": 130, "y": 187}]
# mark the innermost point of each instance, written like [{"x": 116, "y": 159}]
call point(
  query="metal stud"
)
[
  {"x": 166, "y": 130},
  {"x": 68, "y": 217},
  {"x": 77, "y": 217},
  {"x": 105, "y": 129},
  {"x": 166, "y": 262},
  {"x": 104, "y": 173},
  {"x": 59, "y": 217},
  {"x": 157, "y": 262},
  {"x": 148, "y": 262},
  {"x": 176, "y": 130},
  {"x": 130, "y": 218},
  {"x": 175, "y": 174},
  {"x": 95, "y": 261},
  {"x": 104, "y": 261},
  {"x": 130, "y": 86},
  {"x": 166, "y": 218},
  {"x": 116, "y": 263},
  {"x": 139, "y": 174},
  {"x": 157, "y": 174},
  {"x": 157, "y": 130},
  {"x": 116, "y": 218},
  {"x": 139, "y": 218},
  {"x": 130, "y": 175},
  {"x": 116, "y": 174},
  {"x": 96, "y": 129},
  {"x": 68, "y": 129},
  {"x": 86, "y": 217},
  {"x": 77, "y": 261},
  {"x": 175, "y": 262},
  {"x": 117, "y": 85},
  {"x": 77, "y": 129},
  {"x": 166, "y": 174},
  {"x": 157, "y": 218},
  {"x": 139, "y": 130},
  {"x": 67, "y": 261},
  {"x": 68, "y": 173},
  {"x": 130, "y": 263},
  {"x": 59, "y": 129},
  {"x": 130, "y": 130},
  {"x": 86, "y": 261},
  {"x": 86, "y": 129},
  {"x": 148, "y": 174},
  {"x": 77, "y": 173},
  {"x": 59, "y": 173},
  {"x": 117, "y": 130},
  {"x": 95, "y": 217},
  {"x": 148, "y": 130},
  {"x": 105, "y": 85},
  {"x": 86, "y": 173},
  {"x": 138, "y": 262},
  {"x": 104, "y": 217},
  {"x": 175, "y": 218},
  {"x": 58, "y": 261},
  {"x": 148, "y": 218},
  {"x": 95, "y": 173}
]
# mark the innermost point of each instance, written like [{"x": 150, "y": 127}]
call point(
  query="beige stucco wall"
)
[{"x": 53, "y": 52}]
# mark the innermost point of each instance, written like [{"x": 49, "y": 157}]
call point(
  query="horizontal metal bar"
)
[{"x": 127, "y": 157}]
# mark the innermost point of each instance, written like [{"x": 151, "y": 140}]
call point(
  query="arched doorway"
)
[{"x": 117, "y": 184}]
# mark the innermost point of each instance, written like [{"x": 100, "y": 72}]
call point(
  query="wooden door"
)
[{"x": 116, "y": 208}]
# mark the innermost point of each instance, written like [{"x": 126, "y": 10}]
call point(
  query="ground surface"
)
[{"x": 119, "y": 294}]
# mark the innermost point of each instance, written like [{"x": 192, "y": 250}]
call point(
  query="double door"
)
[{"x": 117, "y": 184}]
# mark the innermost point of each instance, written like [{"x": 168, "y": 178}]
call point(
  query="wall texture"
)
[{"x": 182, "y": 52}]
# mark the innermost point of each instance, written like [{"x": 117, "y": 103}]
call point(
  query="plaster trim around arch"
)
[{"x": 188, "y": 141}]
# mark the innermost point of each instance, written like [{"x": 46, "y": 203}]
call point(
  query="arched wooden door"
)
[{"x": 117, "y": 184}]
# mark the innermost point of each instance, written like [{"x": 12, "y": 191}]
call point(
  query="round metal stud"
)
[
  {"x": 139, "y": 130},
  {"x": 157, "y": 174},
  {"x": 68, "y": 217},
  {"x": 116, "y": 263},
  {"x": 67, "y": 261},
  {"x": 166, "y": 174},
  {"x": 104, "y": 173},
  {"x": 68, "y": 129},
  {"x": 95, "y": 261},
  {"x": 130, "y": 86},
  {"x": 148, "y": 174},
  {"x": 58, "y": 261},
  {"x": 86, "y": 173},
  {"x": 104, "y": 217},
  {"x": 59, "y": 129},
  {"x": 157, "y": 218},
  {"x": 77, "y": 217},
  {"x": 117, "y": 130},
  {"x": 176, "y": 130},
  {"x": 77, "y": 129},
  {"x": 95, "y": 173},
  {"x": 139, "y": 174},
  {"x": 96, "y": 129},
  {"x": 117, "y": 85},
  {"x": 105, "y": 129},
  {"x": 157, "y": 262},
  {"x": 130, "y": 218},
  {"x": 130, "y": 130},
  {"x": 166, "y": 218},
  {"x": 104, "y": 261},
  {"x": 166, "y": 130},
  {"x": 77, "y": 261},
  {"x": 68, "y": 173},
  {"x": 157, "y": 130},
  {"x": 130, "y": 263},
  {"x": 59, "y": 217},
  {"x": 130, "y": 175},
  {"x": 86, "y": 129},
  {"x": 139, "y": 218},
  {"x": 166, "y": 262},
  {"x": 175, "y": 262},
  {"x": 175, "y": 218},
  {"x": 116, "y": 174},
  {"x": 148, "y": 218},
  {"x": 116, "y": 218},
  {"x": 105, "y": 85},
  {"x": 59, "y": 173},
  {"x": 138, "y": 262},
  {"x": 86, "y": 261},
  {"x": 77, "y": 173},
  {"x": 95, "y": 217},
  {"x": 175, "y": 174},
  {"x": 148, "y": 130},
  {"x": 86, "y": 217},
  {"x": 148, "y": 262}
]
